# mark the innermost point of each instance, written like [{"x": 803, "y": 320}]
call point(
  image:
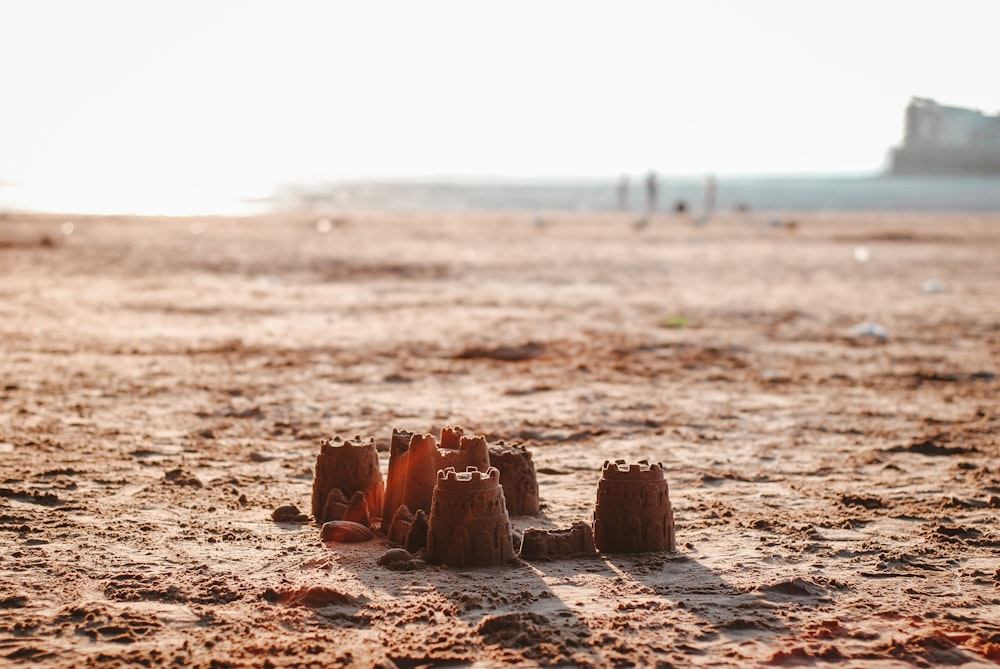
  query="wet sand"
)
[{"x": 165, "y": 384}]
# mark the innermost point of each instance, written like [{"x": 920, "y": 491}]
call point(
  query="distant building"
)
[{"x": 948, "y": 141}]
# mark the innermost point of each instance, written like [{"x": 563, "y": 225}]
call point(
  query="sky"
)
[{"x": 177, "y": 106}]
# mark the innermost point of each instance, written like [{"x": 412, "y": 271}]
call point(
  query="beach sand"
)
[{"x": 165, "y": 384}]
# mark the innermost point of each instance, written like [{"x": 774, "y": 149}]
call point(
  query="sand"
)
[{"x": 166, "y": 384}]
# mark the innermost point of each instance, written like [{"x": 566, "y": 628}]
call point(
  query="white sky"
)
[{"x": 120, "y": 104}]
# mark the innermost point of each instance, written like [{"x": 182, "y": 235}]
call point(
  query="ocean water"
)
[
  {"x": 778, "y": 194},
  {"x": 759, "y": 194}
]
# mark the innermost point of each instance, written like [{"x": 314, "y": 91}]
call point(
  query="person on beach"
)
[
  {"x": 710, "y": 190},
  {"x": 651, "y": 193}
]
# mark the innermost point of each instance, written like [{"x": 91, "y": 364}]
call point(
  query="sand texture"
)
[{"x": 165, "y": 385}]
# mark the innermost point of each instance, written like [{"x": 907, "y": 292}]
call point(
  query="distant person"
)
[
  {"x": 651, "y": 193},
  {"x": 623, "y": 193},
  {"x": 680, "y": 207},
  {"x": 744, "y": 210},
  {"x": 710, "y": 191}
]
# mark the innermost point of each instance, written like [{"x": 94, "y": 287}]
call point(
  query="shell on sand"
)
[{"x": 346, "y": 532}]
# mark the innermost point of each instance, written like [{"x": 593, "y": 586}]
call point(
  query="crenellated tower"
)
[
  {"x": 633, "y": 512},
  {"x": 517, "y": 476},
  {"x": 468, "y": 524},
  {"x": 416, "y": 459},
  {"x": 347, "y": 473}
]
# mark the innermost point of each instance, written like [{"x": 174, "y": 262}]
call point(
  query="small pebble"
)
[
  {"x": 346, "y": 531},
  {"x": 394, "y": 555},
  {"x": 288, "y": 513}
]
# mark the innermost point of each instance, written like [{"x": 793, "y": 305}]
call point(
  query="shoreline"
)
[{"x": 852, "y": 194}]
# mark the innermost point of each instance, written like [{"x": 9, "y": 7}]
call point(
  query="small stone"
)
[
  {"x": 406, "y": 565},
  {"x": 288, "y": 513},
  {"x": 394, "y": 555},
  {"x": 345, "y": 531}
]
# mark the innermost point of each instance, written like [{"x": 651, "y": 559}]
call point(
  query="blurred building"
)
[{"x": 940, "y": 139}]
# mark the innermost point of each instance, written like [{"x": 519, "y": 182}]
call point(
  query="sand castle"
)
[
  {"x": 455, "y": 500},
  {"x": 555, "y": 544},
  {"x": 468, "y": 524},
  {"x": 416, "y": 459},
  {"x": 348, "y": 483},
  {"x": 517, "y": 476},
  {"x": 633, "y": 512}
]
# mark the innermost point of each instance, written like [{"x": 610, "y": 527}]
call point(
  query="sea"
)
[
  {"x": 801, "y": 193},
  {"x": 760, "y": 194}
]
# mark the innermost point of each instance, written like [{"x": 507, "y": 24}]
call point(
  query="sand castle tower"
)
[
  {"x": 408, "y": 530},
  {"x": 343, "y": 470},
  {"x": 414, "y": 461},
  {"x": 517, "y": 476},
  {"x": 469, "y": 526},
  {"x": 633, "y": 512}
]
